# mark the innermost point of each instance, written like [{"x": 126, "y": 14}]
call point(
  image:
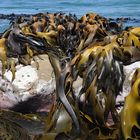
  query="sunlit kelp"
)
[
  {"x": 130, "y": 114},
  {"x": 92, "y": 48}
]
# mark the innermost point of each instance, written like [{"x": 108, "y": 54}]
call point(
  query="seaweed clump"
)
[{"x": 91, "y": 47}]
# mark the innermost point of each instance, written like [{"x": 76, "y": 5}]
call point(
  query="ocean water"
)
[{"x": 107, "y": 8}]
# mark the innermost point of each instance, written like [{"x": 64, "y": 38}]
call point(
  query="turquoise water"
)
[{"x": 107, "y": 8}]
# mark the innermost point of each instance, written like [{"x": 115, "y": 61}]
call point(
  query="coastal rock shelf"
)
[{"x": 65, "y": 77}]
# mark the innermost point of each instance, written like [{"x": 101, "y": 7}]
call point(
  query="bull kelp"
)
[{"x": 91, "y": 47}]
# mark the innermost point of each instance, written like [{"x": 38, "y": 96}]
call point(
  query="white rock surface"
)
[
  {"x": 129, "y": 71},
  {"x": 44, "y": 87},
  {"x": 8, "y": 74},
  {"x": 27, "y": 83},
  {"x": 25, "y": 78},
  {"x": 7, "y": 96}
]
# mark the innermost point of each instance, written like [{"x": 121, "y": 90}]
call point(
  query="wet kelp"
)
[
  {"x": 91, "y": 47},
  {"x": 18, "y": 126},
  {"x": 130, "y": 114}
]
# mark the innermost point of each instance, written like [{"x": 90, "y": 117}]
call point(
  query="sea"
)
[{"x": 108, "y": 8}]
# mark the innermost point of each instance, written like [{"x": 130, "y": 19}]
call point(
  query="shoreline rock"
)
[{"x": 28, "y": 82}]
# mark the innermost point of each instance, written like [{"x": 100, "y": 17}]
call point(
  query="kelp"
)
[
  {"x": 92, "y": 48},
  {"x": 130, "y": 114},
  {"x": 18, "y": 126}
]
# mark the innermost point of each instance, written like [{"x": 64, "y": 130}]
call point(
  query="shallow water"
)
[{"x": 107, "y": 8}]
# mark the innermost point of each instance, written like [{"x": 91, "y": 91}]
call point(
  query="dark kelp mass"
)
[{"x": 91, "y": 47}]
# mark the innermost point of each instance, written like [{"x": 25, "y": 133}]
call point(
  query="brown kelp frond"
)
[
  {"x": 130, "y": 114},
  {"x": 17, "y": 126},
  {"x": 102, "y": 77},
  {"x": 92, "y": 48}
]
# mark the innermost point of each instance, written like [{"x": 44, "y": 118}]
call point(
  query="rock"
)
[
  {"x": 44, "y": 87},
  {"x": 45, "y": 69},
  {"x": 7, "y": 100},
  {"x": 7, "y": 96},
  {"x": 24, "y": 79},
  {"x": 129, "y": 71}
]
